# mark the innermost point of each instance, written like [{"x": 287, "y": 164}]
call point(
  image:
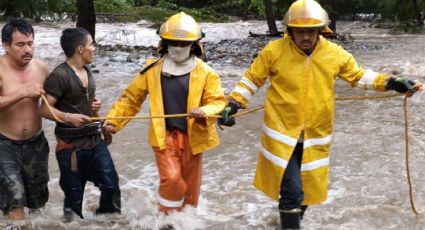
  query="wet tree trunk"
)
[
  {"x": 271, "y": 21},
  {"x": 86, "y": 16},
  {"x": 332, "y": 15},
  {"x": 9, "y": 10},
  {"x": 182, "y": 3},
  {"x": 418, "y": 13}
]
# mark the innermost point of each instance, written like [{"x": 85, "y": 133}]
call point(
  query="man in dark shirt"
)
[{"x": 81, "y": 153}]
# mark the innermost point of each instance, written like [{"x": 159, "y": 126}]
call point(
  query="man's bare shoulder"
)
[
  {"x": 37, "y": 63},
  {"x": 2, "y": 60},
  {"x": 42, "y": 66},
  {"x": 3, "y": 65}
]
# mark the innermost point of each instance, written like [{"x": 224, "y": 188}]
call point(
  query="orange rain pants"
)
[{"x": 180, "y": 173}]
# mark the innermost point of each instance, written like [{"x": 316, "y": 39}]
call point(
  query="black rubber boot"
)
[
  {"x": 303, "y": 209},
  {"x": 110, "y": 202},
  {"x": 68, "y": 215},
  {"x": 290, "y": 219},
  {"x": 75, "y": 208}
]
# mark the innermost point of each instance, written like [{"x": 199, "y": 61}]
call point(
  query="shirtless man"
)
[{"x": 23, "y": 147}]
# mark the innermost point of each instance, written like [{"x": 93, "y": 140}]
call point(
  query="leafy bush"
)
[
  {"x": 159, "y": 14},
  {"x": 279, "y": 8},
  {"x": 111, "y": 5},
  {"x": 37, "y": 9},
  {"x": 153, "y": 14},
  {"x": 172, "y": 5},
  {"x": 145, "y": 2},
  {"x": 209, "y": 10},
  {"x": 410, "y": 26}
]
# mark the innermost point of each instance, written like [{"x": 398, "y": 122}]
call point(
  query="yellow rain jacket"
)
[
  {"x": 300, "y": 98},
  {"x": 205, "y": 92}
]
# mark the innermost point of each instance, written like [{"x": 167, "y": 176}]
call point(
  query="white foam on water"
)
[{"x": 368, "y": 188}]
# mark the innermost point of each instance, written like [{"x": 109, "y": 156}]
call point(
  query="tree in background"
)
[
  {"x": 8, "y": 7},
  {"x": 419, "y": 18},
  {"x": 330, "y": 7},
  {"x": 271, "y": 20},
  {"x": 86, "y": 16},
  {"x": 405, "y": 12},
  {"x": 36, "y": 9}
]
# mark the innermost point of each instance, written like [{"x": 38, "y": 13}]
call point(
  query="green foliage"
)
[
  {"x": 410, "y": 27},
  {"x": 196, "y": 4},
  {"x": 159, "y": 14},
  {"x": 145, "y": 2},
  {"x": 401, "y": 11},
  {"x": 153, "y": 14},
  {"x": 279, "y": 7},
  {"x": 37, "y": 9},
  {"x": 111, "y": 5},
  {"x": 170, "y": 4},
  {"x": 397, "y": 10},
  {"x": 259, "y": 6},
  {"x": 240, "y": 8},
  {"x": 206, "y": 15}
]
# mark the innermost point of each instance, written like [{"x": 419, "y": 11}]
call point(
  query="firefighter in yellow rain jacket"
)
[
  {"x": 178, "y": 83},
  {"x": 302, "y": 67}
]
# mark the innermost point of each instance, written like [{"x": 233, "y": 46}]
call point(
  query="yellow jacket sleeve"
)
[
  {"x": 213, "y": 100},
  {"x": 359, "y": 77},
  {"x": 255, "y": 77},
  {"x": 128, "y": 104}
]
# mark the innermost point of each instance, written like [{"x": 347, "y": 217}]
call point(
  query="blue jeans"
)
[
  {"x": 291, "y": 191},
  {"x": 94, "y": 165}
]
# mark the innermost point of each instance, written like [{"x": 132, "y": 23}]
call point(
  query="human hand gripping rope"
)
[{"x": 409, "y": 93}]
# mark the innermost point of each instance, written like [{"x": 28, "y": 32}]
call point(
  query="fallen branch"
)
[{"x": 275, "y": 34}]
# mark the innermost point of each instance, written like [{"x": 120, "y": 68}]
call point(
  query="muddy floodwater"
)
[{"x": 367, "y": 189}]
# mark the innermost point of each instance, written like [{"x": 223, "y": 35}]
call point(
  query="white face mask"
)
[{"x": 179, "y": 54}]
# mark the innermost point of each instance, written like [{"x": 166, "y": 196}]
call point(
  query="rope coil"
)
[{"x": 406, "y": 139}]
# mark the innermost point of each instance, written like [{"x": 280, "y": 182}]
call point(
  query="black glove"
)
[
  {"x": 231, "y": 108},
  {"x": 400, "y": 85}
]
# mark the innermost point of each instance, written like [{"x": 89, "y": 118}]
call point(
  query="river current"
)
[{"x": 368, "y": 186}]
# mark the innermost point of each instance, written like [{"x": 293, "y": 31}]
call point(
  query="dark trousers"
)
[
  {"x": 291, "y": 191},
  {"x": 94, "y": 165}
]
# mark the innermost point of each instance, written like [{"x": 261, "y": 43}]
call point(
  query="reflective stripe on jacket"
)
[
  {"x": 300, "y": 98},
  {"x": 205, "y": 92}
]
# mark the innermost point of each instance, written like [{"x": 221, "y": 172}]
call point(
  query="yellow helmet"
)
[
  {"x": 181, "y": 27},
  {"x": 306, "y": 14}
]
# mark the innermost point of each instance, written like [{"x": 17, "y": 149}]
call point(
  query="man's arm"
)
[
  {"x": 30, "y": 91},
  {"x": 75, "y": 119},
  {"x": 45, "y": 112},
  {"x": 368, "y": 79},
  {"x": 255, "y": 77},
  {"x": 96, "y": 105},
  {"x": 128, "y": 104},
  {"x": 359, "y": 77},
  {"x": 213, "y": 100}
]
